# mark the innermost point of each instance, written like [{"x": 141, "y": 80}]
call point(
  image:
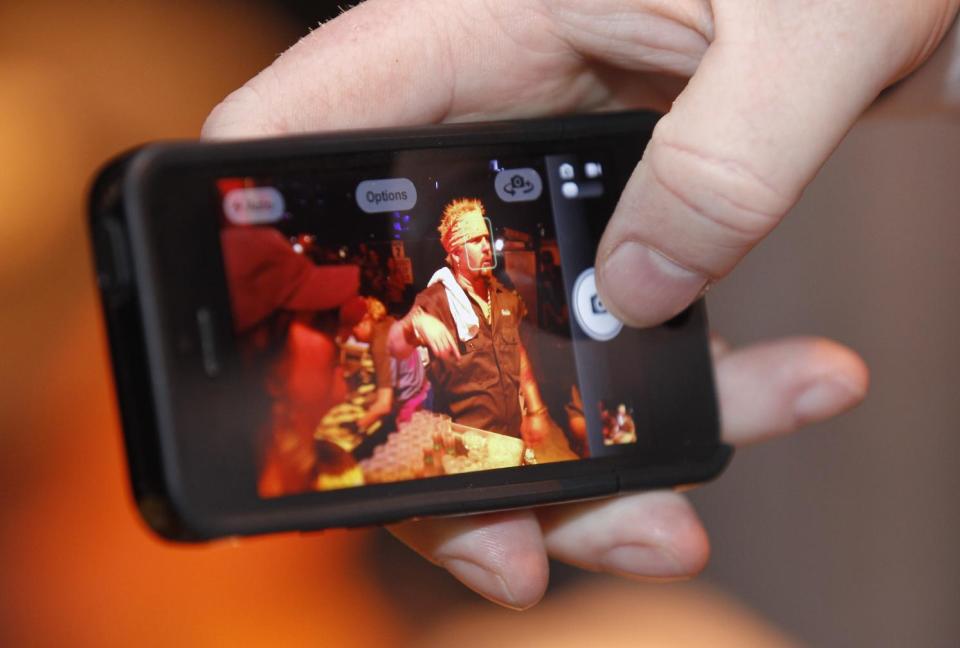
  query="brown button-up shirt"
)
[{"x": 482, "y": 388}]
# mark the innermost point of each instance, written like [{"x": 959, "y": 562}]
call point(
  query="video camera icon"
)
[{"x": 589, "y": 311}]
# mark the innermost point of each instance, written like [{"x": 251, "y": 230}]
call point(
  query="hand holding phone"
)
[
  {"x": 162, "y": 293},
  {"x": 335, "y": 79}
]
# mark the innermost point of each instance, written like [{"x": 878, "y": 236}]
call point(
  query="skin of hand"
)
[
  {"x": 529, "y": 390},
  {"x": 535, "y": 428},
  {"x": 381, "y": 406},
  {"x": 417, "y": 328},
  {"x": 538, "y": 429},
  {"x": 757, "y": 95},
  {"x": 435, "y": 335}
]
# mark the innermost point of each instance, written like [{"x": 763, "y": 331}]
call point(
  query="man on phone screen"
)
[{"x": 470, "y": 323}]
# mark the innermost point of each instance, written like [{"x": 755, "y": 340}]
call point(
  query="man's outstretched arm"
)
[{"x": 419, "y": 328}]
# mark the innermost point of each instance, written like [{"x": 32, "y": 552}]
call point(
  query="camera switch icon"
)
[{"x": 518, "y": 185}]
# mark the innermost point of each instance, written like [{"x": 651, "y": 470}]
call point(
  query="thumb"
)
[{"x": 775, "y": 93}]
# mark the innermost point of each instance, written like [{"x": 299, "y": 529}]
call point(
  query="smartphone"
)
[{"x": 363, "y": 327}]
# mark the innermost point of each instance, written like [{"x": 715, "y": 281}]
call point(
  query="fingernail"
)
[
  {"x": 644, "y": 287},
  {"x": 483, "y": 581},
  {"x": 825, "y": 398},
  {"x": 643, "y": 560}
]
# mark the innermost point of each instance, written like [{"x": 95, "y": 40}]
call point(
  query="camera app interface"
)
[{"x": 428, "y": 314}]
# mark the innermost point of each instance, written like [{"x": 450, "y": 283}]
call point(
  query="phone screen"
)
[{"x": 423, "y": 313}]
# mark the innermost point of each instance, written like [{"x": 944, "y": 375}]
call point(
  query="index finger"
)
[
  {"x": 452, "y": 342},
  {"x": 395, "y": 64},
  {"x": 442, "y": 344}
]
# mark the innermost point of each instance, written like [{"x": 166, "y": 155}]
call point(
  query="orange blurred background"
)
[{"x": 80, "y": 82}]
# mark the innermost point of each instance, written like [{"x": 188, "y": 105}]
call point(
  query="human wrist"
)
[
  {"x": 411, "y": 329},
  {"x": 540, "y": 410}
]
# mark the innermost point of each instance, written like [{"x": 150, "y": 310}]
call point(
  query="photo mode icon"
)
[
  {"x": 597, "y": 306},
  {"x": 589, "y": 311},
  {"x": 518, "y": 185}
]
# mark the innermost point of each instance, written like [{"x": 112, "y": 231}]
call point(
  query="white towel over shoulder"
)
[{"x": 468, "y": 324}]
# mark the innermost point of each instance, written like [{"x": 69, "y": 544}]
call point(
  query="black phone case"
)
[{"x": 130, "y": 303}]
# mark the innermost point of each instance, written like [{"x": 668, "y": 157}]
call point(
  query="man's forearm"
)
[
  {"x": 402, "y": 339},
  {"x": 532, "y": 401},
  {"x": 380, "y": 407}
]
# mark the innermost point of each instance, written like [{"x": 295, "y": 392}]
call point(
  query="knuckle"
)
[
  {"x": 941, "y": 15},
  {"x": 739, "y": 203},
  {"x": 907, "y": 32}
]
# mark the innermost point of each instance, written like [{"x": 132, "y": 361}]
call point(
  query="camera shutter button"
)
[{"x": 588, "y": 309}]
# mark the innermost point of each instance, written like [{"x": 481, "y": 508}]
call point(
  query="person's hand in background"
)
[{"x": 773, "y": 89}]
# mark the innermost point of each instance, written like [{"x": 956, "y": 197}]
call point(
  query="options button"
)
[
  {"x": 387, "y": 195},
  {"x": 589, "y": 311}
]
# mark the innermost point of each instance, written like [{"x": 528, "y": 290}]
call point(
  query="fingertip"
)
[
  {"x": 647, "y": 536},
  {"x": 693, "y": 547},
  {"x": 514, "y": 577},
  {"x": 841, "y": 383},
  {"x": 641, "y": 286},
  {"x": 719, "y": 346},
  {"x": 773, "y": 388},
  {"x": 843, "y": 361},
  {"x": 236, "y": 117},
  {"x": 527, "y": 579},
  {"x": 676, "y": 545},
  {"x": 500, "y": 556},
  {"x": 518, "y": 589},
  {"x": 223, "y": 121}
]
